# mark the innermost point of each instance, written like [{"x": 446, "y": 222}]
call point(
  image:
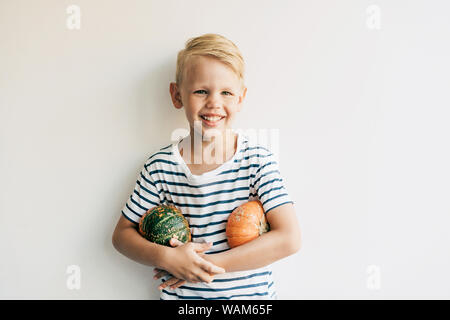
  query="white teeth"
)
[{"x": 211, "y": 118}]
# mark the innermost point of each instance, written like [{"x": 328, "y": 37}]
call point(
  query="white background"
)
[{"x": 362, "y": 113}]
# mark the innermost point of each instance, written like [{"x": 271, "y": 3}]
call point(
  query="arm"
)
[
  {"x": 127, "y": 240},
  {"x": 282, "y": 240},
  {"x": 184, "y": 261}
]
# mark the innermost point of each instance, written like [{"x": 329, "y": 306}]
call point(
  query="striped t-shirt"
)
[{"x": 206, "y": 201}]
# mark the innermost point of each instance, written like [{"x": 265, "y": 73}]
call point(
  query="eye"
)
[
  {"x": 200, "y": 91},
  {"x": 227, "y": 93}
]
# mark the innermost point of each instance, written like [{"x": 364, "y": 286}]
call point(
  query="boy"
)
[{"x": 207, "y": 175}]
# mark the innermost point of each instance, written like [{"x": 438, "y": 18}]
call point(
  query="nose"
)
[{"x": 214, "y": 100}]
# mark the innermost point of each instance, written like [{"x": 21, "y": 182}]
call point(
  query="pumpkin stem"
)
[{"x": 263, "y": 226}]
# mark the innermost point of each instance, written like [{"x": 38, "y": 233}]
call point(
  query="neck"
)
[{"x": 214, "y": 150}]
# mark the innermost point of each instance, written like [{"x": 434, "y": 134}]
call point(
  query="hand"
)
[
  {"x": 186, "y": 264},
  {"x": 173, "y": 282}
]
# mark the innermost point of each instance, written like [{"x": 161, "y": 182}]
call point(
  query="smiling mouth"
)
[
  {"x": 211, "y": 119},
  {"x": 211, "y": 122}
]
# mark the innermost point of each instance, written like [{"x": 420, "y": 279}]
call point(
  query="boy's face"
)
[{"x": 209, "y": 89}]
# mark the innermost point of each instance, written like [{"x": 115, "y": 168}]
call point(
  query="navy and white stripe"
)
[{"x": 206, "y": 201}]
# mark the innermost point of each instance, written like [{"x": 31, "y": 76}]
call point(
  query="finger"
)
[
  {"x": 174, "y": 242},
  {"x": 178, "y": 284},
  {"x": 211, "y": 268},
  {"x": 160, "y": 274},
  {"x": 200, "y": 247},
  {"x": 167, "y": 283},
  {"x": 205, "y": 277}
]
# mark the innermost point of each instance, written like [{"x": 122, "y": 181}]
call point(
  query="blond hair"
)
[{"x": 213, "y": 45}]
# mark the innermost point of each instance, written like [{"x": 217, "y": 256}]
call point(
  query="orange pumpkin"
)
[{"x": 246, "y": 223}]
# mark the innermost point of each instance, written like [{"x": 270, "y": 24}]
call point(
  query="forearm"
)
[
  {"x": 132, "y": 245},
  {"x": 262, "y": 251}
]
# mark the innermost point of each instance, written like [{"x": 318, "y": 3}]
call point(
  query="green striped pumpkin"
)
[{"x": 161, "y": 223}]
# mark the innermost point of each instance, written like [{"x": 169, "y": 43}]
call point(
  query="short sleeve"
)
[
  {"x": 144, "y": 197},
  {"x": 269, "y": 185}
]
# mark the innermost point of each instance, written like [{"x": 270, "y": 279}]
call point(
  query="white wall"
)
[{"x": 362, "y": 115}]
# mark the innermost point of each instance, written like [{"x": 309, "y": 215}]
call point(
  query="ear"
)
[
  {"x": 175, "y": 94},
  {"x": 241, "y": 98}
]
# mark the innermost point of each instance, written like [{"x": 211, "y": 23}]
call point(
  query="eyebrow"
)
[{"x": 206, "y": 87}]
